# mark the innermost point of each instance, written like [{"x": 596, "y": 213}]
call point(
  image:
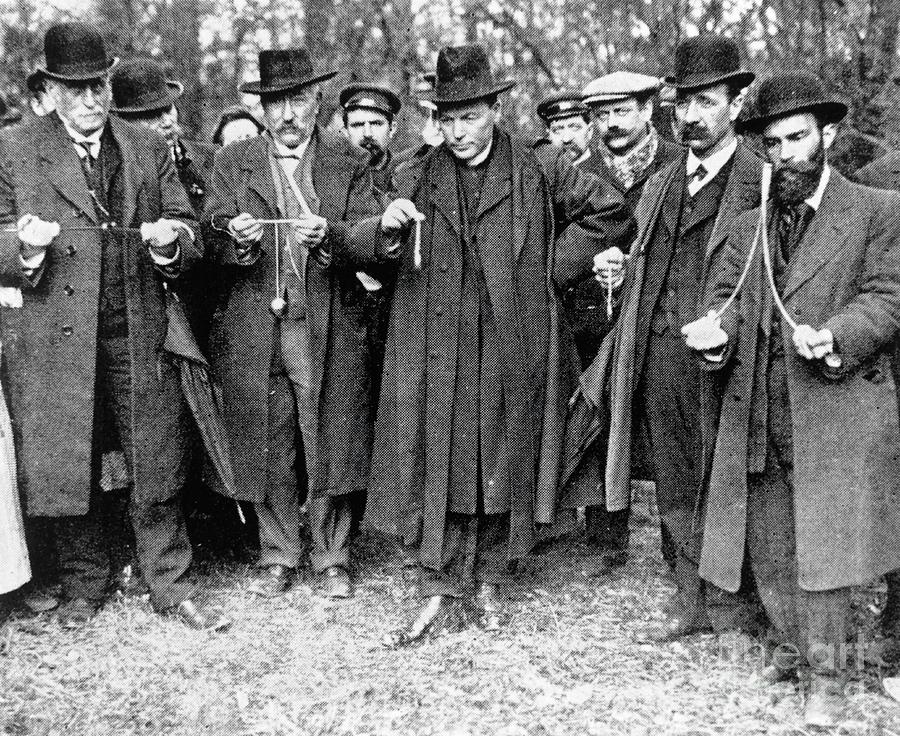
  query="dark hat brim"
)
[
  {"x": 393, "y": 99},
  {"x": 176, "y": 90},
  {"x": 83, "y": 77},
  {"x": 288, "y": 85},
  {"x": 470, "y": 95},
  {"x": 694, "y": 82},
  {"x": 832, "y": 111}
]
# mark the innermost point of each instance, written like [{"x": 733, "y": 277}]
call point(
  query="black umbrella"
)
[{"x": 201, "y": 393}]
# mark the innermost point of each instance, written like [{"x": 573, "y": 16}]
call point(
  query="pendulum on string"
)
[{"x": 278, "y": 305}]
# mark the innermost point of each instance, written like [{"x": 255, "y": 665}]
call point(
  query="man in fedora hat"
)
[
  {"x": 289, "y": 343},
  {"x": 627, "y": 150},
  {"x": 804, "y": 488},
  {"x": 369, "y": 111},
  {"x": 99, "y": 226},
  {"x": 568, "y": 123},
  {"x": 478, "y": 372},
  {"x": 654, "y": 381}
]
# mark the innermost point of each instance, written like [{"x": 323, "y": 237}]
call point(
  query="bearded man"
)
[{"x": 804, "y": 487}]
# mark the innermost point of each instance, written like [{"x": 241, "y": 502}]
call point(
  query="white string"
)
[
  {"x": 767, "y": 258},
  {"x": 278, "y": 292},
  {"x": 417, "y": 246}
]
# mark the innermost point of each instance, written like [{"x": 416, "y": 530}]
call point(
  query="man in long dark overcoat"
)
[
  {"x": 289, "y": 342},
  {"x": 476, "y": 375},
  {"x": 805, "y": 482},
  {"x": 88, "y": 338},
  {"x": 652, "y": 379}
]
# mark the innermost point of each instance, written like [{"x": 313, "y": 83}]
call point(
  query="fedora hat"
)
[
  {"x": 139, "y": 85},
  {"x": 464, "y": 75},
  {"x": 705, "y": 60},
  {"x": 284, "y": 70},
  {"x": 791, "y": 93},
  {"x": 370, "y": 96},
  {"x": 75, "y": 52}
]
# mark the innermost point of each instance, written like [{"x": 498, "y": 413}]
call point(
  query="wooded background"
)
[{"x": 546, "y": 45}]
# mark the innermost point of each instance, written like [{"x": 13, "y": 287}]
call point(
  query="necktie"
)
[
  {"x": 793, "y": 224},
  {"x": 699, "y": 174},
  {"x": 87, "y": 160}
]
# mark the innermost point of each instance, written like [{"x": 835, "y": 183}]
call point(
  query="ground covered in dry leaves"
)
[{"x": 570, "y": 662}]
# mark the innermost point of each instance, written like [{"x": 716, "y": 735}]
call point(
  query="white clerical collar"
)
[
  {"x": 816, "y": 199},
  {"x": 481, "y": 157},
  {"x": 282, "y": 151},
  {"x": 712, "y": 163},
  {"x": 583, "y": 157}
]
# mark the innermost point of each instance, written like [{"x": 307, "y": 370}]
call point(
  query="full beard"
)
[{"x": 796, "y": 181}]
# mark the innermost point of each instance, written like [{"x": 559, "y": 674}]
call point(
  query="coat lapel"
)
[
  {"x": 497, "y": 182},
  {"x": 61, "y": 165},
  {"x": 741, "y": 193},
  {"x": 259, "y": 174},
  {"x": 826, "y": 234},
  {"x": 128, "y": 171},
  {"x": 444, "y": 193},
  {"x": 331, "y": 176}
]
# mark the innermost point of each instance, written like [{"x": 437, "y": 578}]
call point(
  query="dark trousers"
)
[
  {"x": 474, "y": 551},
  {"x": 293, "y": 425},
  {"x": 670, "y": 393},
  {"x": 161, "y": 541}
]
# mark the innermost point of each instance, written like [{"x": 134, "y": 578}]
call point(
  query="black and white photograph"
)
[{"x": 453, "y": 368}]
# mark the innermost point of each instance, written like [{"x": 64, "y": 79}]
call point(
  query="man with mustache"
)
[
  {"x": 653, "y": 378},
  {"x": 803, "y": 491},
  {"x": 369, "y": 112},
  {"x": 569, "y": 127},
  {"x": 288, "y": 343}
]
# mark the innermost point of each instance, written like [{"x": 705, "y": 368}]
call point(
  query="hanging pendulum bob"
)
[{"x": 278, "y": 306}]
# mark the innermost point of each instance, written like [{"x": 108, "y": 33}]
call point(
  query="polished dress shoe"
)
[
  {"x": 41, "y": 600},
  {"x": 826, "y": 702},
  {"x": 488, "y": 607},
  {"x": 673, "y": 629},
  {"x": 272, "y": 582},
  {"x": 336, "y": 583},
  {"x": 441, "y": 614},
  {"x": 200, "y": 618},
  {"x": 76, "y": 612}
]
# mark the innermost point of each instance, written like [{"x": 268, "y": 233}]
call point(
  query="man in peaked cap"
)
[
  {"x": 100, "y": 225},
  {"x": 568, "y": 122},
  {"x": 803, "y": 491},
  {"x": 654, "y": 380},
  {"x": 368, "y": 112},
  {"x": 288, "y": 345},
  {"x": 477, "y": 373},
  {"x": 627, "y": 150}
]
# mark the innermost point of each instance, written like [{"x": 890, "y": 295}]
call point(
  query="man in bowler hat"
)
[
  {"x": 100, "y": 227},
  {"x": 289, "y": 345},
  {"x": 478, "y": 369},
  {"x": 654, "y": 380},
  {"x": 803, "y": 491}
]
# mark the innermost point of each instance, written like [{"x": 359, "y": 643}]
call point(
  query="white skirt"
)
[{"x": 15, "y": 569}]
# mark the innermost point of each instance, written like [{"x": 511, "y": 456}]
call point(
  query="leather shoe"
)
[
  {"x": 336, "y": 583},
  {"x": 200, "y": 618},
  {"x": 271, "y": 582},
  {"x": 826, "y": 702},
  {"x": 441, "y": 614},
  {"x": 76, "y": 612},
  {"x": 671, "y": 630},
  {"x": 488, "y": 607},
  {"x": 41, "y": 600}
]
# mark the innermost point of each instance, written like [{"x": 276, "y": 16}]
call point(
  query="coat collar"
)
[
  {"x": 741, "y": 194},
  {"x": 826, "y": 234}
]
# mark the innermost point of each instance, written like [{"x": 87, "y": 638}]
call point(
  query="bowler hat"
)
[
  {"x": 705, "y": 60},
  {"x": 282, "y": 71},
  {"x": 370, "y": 96},
  {"x": 139, "y": 85},
  {"x": 75, "y": 52},
  {"x": 563, "y": 105},
  {"x": 791, "y": 93},
  {"x": 464, "y": 75},
  {"x": 619, "y": 86}
]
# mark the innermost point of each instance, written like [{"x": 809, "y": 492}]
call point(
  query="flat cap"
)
[
  {"x": 562, "y": 105},
  {"x": 619, "y": 86},
  {"x": 370, "y": 97}
]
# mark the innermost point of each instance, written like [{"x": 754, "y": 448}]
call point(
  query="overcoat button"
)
[
  {"x": 67, "y": 330},
  {"x": 439, "y": 311},
  {"x": 737, "y": 397},
  {"x": 71, "y": 250},
  {"x": 68, "y": 289},
  {"x": 443, "y": 267},
  {"x": 433, "y": 355}
]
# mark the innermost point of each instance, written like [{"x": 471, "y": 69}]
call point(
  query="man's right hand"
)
[
  {"x": 35, "y": 235},
  {"x": 245, "y": 229},
  {"x": 706, "y": 336},
  {"x": 399, "y": 214},
  {"x": 609, "y": 267}
]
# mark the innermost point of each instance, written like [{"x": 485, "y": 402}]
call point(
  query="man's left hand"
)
[
  {"x": 311, "y": 230},
  {"x": 813, "y": 344},
  {"x": 161, "y": 236}
]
